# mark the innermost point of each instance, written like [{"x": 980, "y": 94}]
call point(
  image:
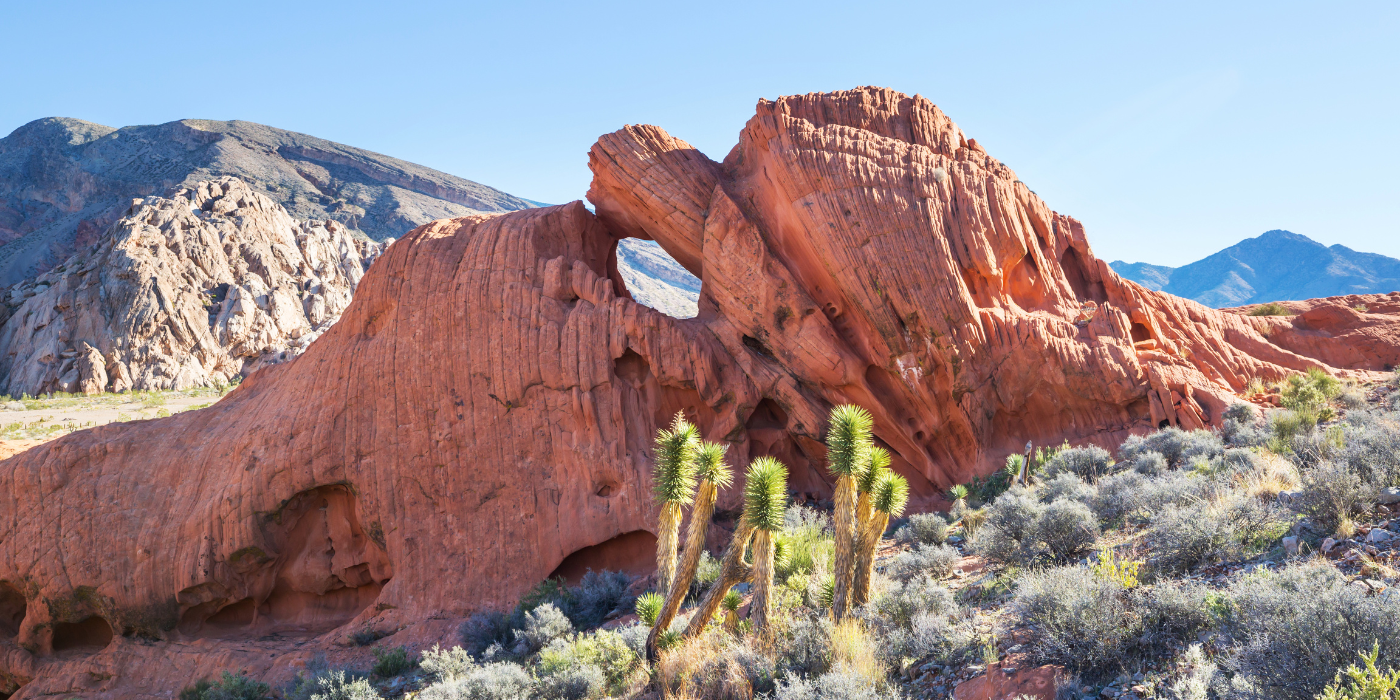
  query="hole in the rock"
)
[
  {"x": 767, "y": 415},
  {"x": 633, "y": 552},
  {"x": 1084, "y": 288},
  {"x": 607, "y": 489},
  {"x": 1164, "y": 423},
  {"x": 90, "y": 634},
  {"x": 757, "y": 346},
  {"x": 767, "y": 431},
  {"x": 1140, "y": 333},
  {"x": 656, "y": 280},
  {"x": 13, "y": 607},
  {"x": 632, "y": 368},
  {"x": 326, "y": 569}
]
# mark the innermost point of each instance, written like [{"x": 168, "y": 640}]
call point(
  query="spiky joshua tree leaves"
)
[
  {"x": 673, "y": 479},
  {"x": 712, "y": 474},
  {"x": 877, "y": 462},
  {"x": 888, "y": 496},
  {"x": 847, "y": 450},
  {"x": 765, "y": 502}
]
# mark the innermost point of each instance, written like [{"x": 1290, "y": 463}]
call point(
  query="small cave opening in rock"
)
[
  {"x": 13, "y": 608},
  {"x": 632, "y": 368},
  {"x": 1024, "y": 283},
  {"x": 1140, "y": 333},
  {"x": 91, "y": 634},
  {"x": 317, "y": 569},
  {"x": 631, "y": 552},
  {"x": 1078, "y": 276},
  {"x": 656, "y": 280}
]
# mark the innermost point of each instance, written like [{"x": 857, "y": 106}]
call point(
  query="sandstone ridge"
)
[{"x": 483, "y": 411}]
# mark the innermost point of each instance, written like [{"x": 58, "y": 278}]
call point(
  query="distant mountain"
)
[
  {"x": 62, "y": 178},
  {"x": 1276, "y": 266},
  {"x": 64, "y": 181}
]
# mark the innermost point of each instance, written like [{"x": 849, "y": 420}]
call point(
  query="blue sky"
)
[{"x": 1171, "y": 129}]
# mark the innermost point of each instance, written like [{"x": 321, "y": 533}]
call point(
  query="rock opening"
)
[
  {"x": 91, "y": 634},
  {"x": 13, "y": 608},
  {"x": 633, "y": 552}
]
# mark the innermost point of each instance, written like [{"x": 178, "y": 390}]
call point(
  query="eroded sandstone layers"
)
[
  {"x": 193, "y": 289},
  {"x": 485, "y": 407}
]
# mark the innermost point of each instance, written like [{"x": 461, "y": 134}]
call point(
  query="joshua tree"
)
[
  {"x": 765, "y": 502},
  {"x": 959, "y": 495},
  {"x": 731, "y": 603},
  {"x": 887, "y": 499},
  {"x": 673, "y": 478},
  {"x": 713, "y": 475},
  {"x": 877, "y": 461},
  {"x": 731, "y": 571},
  {"x": 847, "y": 444}
]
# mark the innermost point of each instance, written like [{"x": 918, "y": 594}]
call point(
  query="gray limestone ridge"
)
[{"x": 64, "y": 182}]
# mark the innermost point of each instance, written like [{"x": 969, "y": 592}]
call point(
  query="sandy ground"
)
[{"x": 34, "y": 422}]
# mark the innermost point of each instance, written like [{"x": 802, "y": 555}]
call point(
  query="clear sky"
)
[{"x": 1171, "y": 129}]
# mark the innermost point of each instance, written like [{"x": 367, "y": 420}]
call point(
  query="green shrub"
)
[
  {"x": 446, "y": 664},
  {"x": 1272, "y": 308},
  {"x": 605, "y": 650},
  {"x": 392, "y": 662},
  {"x": 807, "y": 542},
  {"x": 934, "y": 560},
  {"x": 336, "y": 685},
  {"x": 1333, "y": 494},
  {"x": 228, "y": 687},
  {"x": 924, "y": 528},
  {"x": 1067, "y": 529},
  {"x": 1089, "y": 463},
  {"x": 649, "y": 607},
  {"x": 545, "y": 624},
  {"x": 1369, "y": 683}
]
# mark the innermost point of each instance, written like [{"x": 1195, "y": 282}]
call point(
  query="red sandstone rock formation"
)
[
  {"x": 1357, "y": 331},
  {"x": 485, "y": 407}
]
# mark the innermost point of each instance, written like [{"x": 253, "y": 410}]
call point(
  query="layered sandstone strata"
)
[
  {"x": 482, "y": 414},
  {"x": 193, "y": 289}
]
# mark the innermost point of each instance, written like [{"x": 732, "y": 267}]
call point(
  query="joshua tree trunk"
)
[
  {"x": 732, "y": 571},
  {"x": 845, "y": 535},
  {"x": 700, "y": 516},
  {"x": 666, "y": 545},
  {"x": 870, "y": 535},
  {"x": 863, "y": 511},
  {"x": 760, "y": 608}
]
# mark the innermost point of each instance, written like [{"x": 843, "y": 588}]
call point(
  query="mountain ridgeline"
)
[
  {"x": 1276, "y": 266},
  {"x": 64, "y": 182}
]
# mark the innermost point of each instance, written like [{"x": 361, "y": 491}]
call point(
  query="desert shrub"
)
[
  {"x": 1241, "y": 426},
  {"x": 392, "y": 662},
  {"x": 1351, "y": 398},
  {"x": 576, "y": 683},
  {"x": 1272, "y": 308},
  {"x": 1369, "y": 445},
  {"x": 228, "y": 687},
  {"x": 493, "y": 681},
  {"x": 916, "y": 619},
  {"x": 608, "y": 651},
  {"x": 805, "y": 647},
  {"x": 1067, "y": 485},
  {"x": 839, "y": 684},
  {"x": 1084, "y": 622},
  {"x": 1198, "y": 676},
  {"x": 1089, "y": 462},
  {"x": 1177, "y": 611},
  {"x": 807, "y": 542},
  {"x": 1177, "y": 446},
  {"x": 1284, "y": 426},
  {"x": 543, "y": 625},
  {"x": 484, "y": 629},
  {"x": 1297, "y": 627},
  {"x": 936, "y": 561},
  {"x": 706, "y": 573},
  {"x": 446, "y": 664},
  {"x": 1333, "y": 494},
  {"x": 597, "y": 595},
  {"x": 337, "y": 685},
  {"x": 1180, "y": 538},
  {"x": 1067, "y": 529},
  {"x": 1149, "y": 463},
  {"x": 1368, "y": 683},
  {"x": 1137, "y": 499},
  {"x": 924, "y": 528},
  {"x": 1309, "y": 393}
]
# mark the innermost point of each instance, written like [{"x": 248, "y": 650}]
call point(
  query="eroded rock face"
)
[
  {"x": 488, "y": 400},
  {"x": 1356, "y": 331},
  {"x": 188, "y": 290}
]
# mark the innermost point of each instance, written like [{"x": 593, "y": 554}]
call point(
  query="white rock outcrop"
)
[{"x": 214, "y": 281}]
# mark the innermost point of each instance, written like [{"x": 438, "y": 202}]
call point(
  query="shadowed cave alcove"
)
[
  {"x": 318, "y": 569},
  {"x": 767, "y": 431},
  {"x": 632, "y": 552},
  {"x": 13, "y": 608},
  {"x": 89, "y": 635}
]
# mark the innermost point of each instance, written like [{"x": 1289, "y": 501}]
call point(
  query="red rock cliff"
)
[{"x": 486, "y": 405}]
